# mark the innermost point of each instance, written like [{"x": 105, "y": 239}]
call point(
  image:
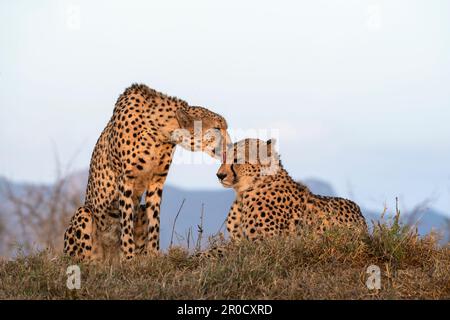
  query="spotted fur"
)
[
  {"x": 269, "y": 202},
  {"x": 132, "y": 157}
]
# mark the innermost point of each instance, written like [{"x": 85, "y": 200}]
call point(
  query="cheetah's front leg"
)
[
  {"x": 126, "y": 207},
  {"x": 140, "y": 229},
  {"x": 234, "y": 218},
  {"x": 152, "y": 205}
]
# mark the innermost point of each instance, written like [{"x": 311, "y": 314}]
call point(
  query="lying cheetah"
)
[
  {"x": 269, "y": 202},
  {"x": 133, "y": 156}
]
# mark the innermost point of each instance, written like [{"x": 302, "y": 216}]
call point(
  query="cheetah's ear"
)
[
  {"x": 184, "y": 119},
  {"x": 271, "y": 147}
]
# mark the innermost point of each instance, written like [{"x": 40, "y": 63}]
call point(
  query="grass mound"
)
[{"x": 333, "y": 266}]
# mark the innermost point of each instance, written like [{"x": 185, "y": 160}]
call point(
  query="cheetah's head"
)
[
  {"x": 201, "y": 130},
  {"x": 246, "y": 162}
]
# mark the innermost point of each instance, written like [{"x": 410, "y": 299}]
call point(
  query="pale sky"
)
[{"x": 358, "y": 90}]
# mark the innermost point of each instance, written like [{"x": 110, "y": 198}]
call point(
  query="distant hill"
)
[{"x": 216, "y": 204}]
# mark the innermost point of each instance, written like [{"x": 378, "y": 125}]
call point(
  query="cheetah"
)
[
  {"x": 131, "y": 157},
  {"x": 269, "y": 202}
]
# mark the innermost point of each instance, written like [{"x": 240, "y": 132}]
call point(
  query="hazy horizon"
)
[{"x": 358, "y": 90}]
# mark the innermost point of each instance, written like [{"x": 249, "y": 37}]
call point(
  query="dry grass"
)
[{"x": 304, "y": 267}]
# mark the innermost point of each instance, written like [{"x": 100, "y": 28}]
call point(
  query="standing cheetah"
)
[
  {"x": 133, "y": 156},
  {"x": 269, "y": 202}
]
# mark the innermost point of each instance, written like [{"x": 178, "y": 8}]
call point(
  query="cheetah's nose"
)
[{"x": 221, "y": 176}]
